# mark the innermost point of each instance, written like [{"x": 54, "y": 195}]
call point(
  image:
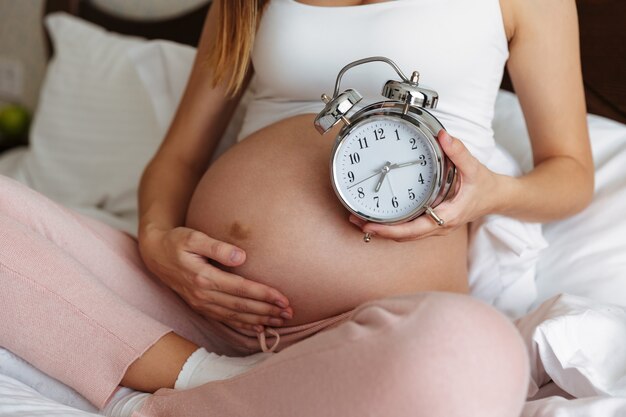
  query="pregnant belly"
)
[{"x": 271, "y": 196}]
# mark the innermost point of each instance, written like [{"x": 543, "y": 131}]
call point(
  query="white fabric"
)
[
  {"x": 204, "y": 366},
  {"x": 164, "y": 68},
  {"x": 16, "y": 368},
  {"x": 598, "y": 406},
  {"x": 124, "y": 403},
  {"x": 579, "y": 344},
  {"x": 313, "y": 43},
  {"x": 20, "y": 400}
]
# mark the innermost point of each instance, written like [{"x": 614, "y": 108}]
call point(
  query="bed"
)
[{"x": 107, "y": 101}]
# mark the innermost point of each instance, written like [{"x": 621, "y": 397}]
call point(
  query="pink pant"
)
[{"x": 77, "y": 302}]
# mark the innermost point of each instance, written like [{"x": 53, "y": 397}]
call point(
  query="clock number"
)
[
  {"x": 379, "y": 134},
  {"x": 420, "y": 179},
  {"x": 394, "y": 202},
  {"x": 355, "y": 158},
  {"x": 397, "y": 135},
  {"x": 423, "y": 158},
  {"x": 351, "y": 176},
  {"x": 377, "y": 199},
  {"x": 413, "y": 144},
  {"x": 361, "y": 193},
  {"x": 363, "y": 143},
  {"x": 411, "y": 194}
]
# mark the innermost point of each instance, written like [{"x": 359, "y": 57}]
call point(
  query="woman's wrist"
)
[
  {"x": 148, "y": 231},
  {"x": 504, "y": 194}
]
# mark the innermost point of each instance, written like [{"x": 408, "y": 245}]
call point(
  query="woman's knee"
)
[{"x": 448, "y": 355}]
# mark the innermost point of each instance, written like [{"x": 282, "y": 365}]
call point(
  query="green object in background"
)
[
  {"x": 14, "y": 120},
  {"x": 14, "y": 124}
]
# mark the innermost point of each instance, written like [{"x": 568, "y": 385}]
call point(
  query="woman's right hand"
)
[{"x": 181, "y": 257}]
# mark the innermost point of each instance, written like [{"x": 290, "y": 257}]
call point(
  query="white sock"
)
[
  {"x": 202, "y": 367},
  {"x": 124, "y": 403}
]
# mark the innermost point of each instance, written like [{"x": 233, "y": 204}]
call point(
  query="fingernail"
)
[
  {"x": 236, "y": 255},
  {"x": 280, "y": 304},
  {"x": 447, "y": 137},
  {"x": 286, "y": 315},
  {"x": 276, "y": 322},
  {"x": 258, "y": 329}
]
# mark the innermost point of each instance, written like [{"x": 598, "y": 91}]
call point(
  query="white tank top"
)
[{"x": 459, "y": 48}]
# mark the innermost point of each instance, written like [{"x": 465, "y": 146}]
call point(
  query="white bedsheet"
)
[{"x": 20, "y": 400}]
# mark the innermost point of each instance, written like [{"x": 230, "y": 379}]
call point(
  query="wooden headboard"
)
[
  {"x": 602, "y": 27},
  {"x": 185, "y": 28},
  {"x": 602, "y": 41}
]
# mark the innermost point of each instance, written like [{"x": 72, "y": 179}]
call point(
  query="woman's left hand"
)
[{"x": 474, "y": 196}]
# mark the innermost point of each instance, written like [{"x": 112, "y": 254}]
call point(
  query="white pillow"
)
[
  {"x": 94, "y": 129},
  {"x": 164, "y": 69}
]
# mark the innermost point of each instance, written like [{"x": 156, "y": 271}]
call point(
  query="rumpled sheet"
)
[
  {"x": 580, "y": 345},
  {"x": 599, "y": 406},
  {"x": 20, "y": 400}
]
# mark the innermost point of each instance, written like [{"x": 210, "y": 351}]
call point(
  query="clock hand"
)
[
  {"x": 390, "y": 187},
  {"x": 384, "y": 170},
  {"x": 406, "y": 164},
  {"x": 367, "y": 178},
  {"x": 364, "y": 179}
]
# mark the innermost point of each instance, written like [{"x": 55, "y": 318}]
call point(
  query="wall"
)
[
  {"x": 22, "y": 40},
  {"x": 22, "y": 37}
]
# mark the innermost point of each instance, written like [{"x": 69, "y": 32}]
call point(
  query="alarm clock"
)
[{"x": 386, "y": 163}]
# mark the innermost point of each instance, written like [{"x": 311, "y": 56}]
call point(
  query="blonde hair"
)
[{"x": 237, "y": 25}]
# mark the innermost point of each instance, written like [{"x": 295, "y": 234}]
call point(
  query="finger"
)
[
  {"x": 410, "y": 230},
  {"x": 235, "y": 324},
  {"x": 458, "y": 153},
  {"x": 246, "y": 305},
  {"x": 222, "y": 252},
  {"x": 228, "y": 315},
  {"x": 240, "y": 325},
  {"x": 226, "y": 282},
  {"x": 225, "y": 315},
  {"x": 421, "y": 227},
  {"x": 257, "y": 328}
]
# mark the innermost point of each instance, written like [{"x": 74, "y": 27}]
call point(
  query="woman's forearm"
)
[
  {"x": 200, "y": 121},
  {"x": 165, "y": 190},
  {"x": 558, "y": 187}
]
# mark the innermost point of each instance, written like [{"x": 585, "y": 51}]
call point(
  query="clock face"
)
[{"x": 385, "y": 169}]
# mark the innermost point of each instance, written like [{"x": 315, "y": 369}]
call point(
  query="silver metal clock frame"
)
[{"x": 422, "y": 120}]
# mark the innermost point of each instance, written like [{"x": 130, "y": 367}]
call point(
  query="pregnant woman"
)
[{"x": 256, "y": 255}]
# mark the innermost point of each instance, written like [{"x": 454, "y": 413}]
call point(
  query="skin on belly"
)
[{"x": 271, "y": 195}]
